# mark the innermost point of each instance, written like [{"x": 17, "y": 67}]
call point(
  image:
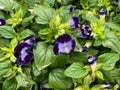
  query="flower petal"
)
[
  {"x": 2, "y": 22},
  {"x": 19, "y": 47},
  {"x": 64, "y": 44},
  {"x": 74, "y": 22}
]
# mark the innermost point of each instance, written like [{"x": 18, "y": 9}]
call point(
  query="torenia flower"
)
[
  {"x": 107, "y": 85},
  {"x": 92, "y": 61},
  {"x": 74, "y": 22},
  {"x": 72, "y": 9},
  {"x": 85, "y": 33},
  {"x": 23, "y": 52},
  {"x": 116, "y": 2},
  {"x": 64, "y": 44},
  {"x": 2, "y": 22},
  {"x": 102, "y": 13}
]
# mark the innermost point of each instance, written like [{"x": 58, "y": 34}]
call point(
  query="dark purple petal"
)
[
  {"x": 41, "y": 86},
  {"x": 56, "y": 48},
  {"x": 19, "y": 47},
  {"x": 116, "y": 2},
  {"x": 74, "y": 23},
  {"x": 64, "y": 44},
  {"x": 22, "y": 52},
  {"x": 85, "y": 33},
  {"x": 72, "y": 9},
  {"x": 103, "y": 12},
  {"x": 63, "y": 38},
  {"x": 85, "y": 49},
  {"x": 31, "y": 41},
  {"x": 108, "y": 85},
  {"x": 91, "y": 59},
  {"x": 2, "y": 22},
  {"x": 25, "y": 58}
]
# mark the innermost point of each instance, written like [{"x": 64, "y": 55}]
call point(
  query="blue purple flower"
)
[
  {"x": 64, "y": 44},
  {"x": 116, "y": 2},
  {"x": 72, "y": 9},
  {"x": 92, "y": 61},
  {"x": 41, "y": 86},
  {"x": 2, "y": 22},
  {"x": 107, "y": 85},
  {"x": 74, "y": 22},
  {"x": 85, "y": 33},
  {"x": 102, "y": 12},
  {"x": 85, "y": 49},
  {"x": 23, "y": 52}
]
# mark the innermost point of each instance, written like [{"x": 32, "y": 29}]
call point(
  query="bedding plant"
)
[{"x": 59, "y": 44}]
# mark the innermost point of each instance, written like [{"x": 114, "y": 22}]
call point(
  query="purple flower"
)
[
  {"x": 72, "y": 9},
  {"x": 31, "y": 41},
  {"x": 85, "y": 33},
  {"x": 74, "y": 23},
  {"x": 108, "y": 85},
  {"x": 23, "y": 52},
  {"x": 116, "y": 2},
  {"x": 91, "y": 60},
  {"x": 85, "y": 49},
  {"x": 64, "y": 44},
  {"x": 41, "y": 86},
  {"x": 2, "y": 22},
  {"x": 102, "y": 12}
]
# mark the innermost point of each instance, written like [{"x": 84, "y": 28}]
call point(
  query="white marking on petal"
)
[
  {"x": 23, "y": 53},
  {"x": 65, "y": 47}
]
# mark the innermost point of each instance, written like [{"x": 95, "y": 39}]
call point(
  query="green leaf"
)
[
  {"x": 43, "y": 55},
  {"x": 90, "y": 17},
  {"x": 99, "y": 75},
  {"x": 31, "y": 3},
  {"x": 50, "y": 2},
  {"x": 109, "y": 60},
  {"x": 112, "y": 26},
  {"x": 5, "y": 69},
  {"x": 44, "y": 14},
  {"x": 22, "y": 80},
  {"x": 76, "y": 70},
  {"x": 8, "y": 4},
  {"x": 115, "y": 73},
  {"x": 9, "y": 84},
  {"x": 60, "y": 61},
  {"x": 26, "y": 33},
  {"x": 7, "y": 32},
  {"x": 57, "y": 80},
  {"x": 111, "y": 41},
  {"x": 4, "y": 42},
  {"x": 26, "y": 21},
  {"x": 35, "y": 71}
]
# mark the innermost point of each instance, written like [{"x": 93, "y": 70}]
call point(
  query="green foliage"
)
[
  {"x": 7, "y": 32},
  {"x": 43, "y": 14},
  {"x": 5, "y": 69},
  {"x": 43, "y": 55},
  {"x": 9, "y": 84},
  {"x": 111, "y": 41},
  {"x": 76, "y": 70},
  {"x": 57, "y": 80},
  {"x": 8, "y": 5},
  {"x": 46, "y": 20},
  {"x": 108, "y": 60}
]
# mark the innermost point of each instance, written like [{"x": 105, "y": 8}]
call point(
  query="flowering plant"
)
[{"x": 59, "y": 44}]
